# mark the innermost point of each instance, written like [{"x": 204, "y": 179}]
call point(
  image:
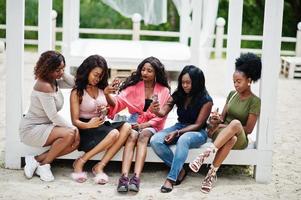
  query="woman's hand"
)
[
  {"x": 155, "y": 107},
  {"x": 110, "y": 90},
  {"x": 170, "y": 137},
  {"x": 76, "y": 138},
  {"x": 113, "y": 87},
  {"x": 95, "y": 122},
  {"x": 222, "y": 126}
]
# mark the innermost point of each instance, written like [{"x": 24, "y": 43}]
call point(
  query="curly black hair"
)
[
  {"x": 198, "y": 88},
  {"x": 250, "y": 65},
  {"x": 48, "y": 62},
  {"x": 160, "y": 73},
  {"x": 83, "y": 71}
]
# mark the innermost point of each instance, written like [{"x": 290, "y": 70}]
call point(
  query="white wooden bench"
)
[{"x": 249, "y": 156}]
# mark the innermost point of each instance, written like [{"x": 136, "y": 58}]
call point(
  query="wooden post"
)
[
  {"x": 45, "y": 25},
  {"x": 196, "y": 31},
  {"x": 219, "y": 37},
  {"x": 233, "y": 39},
  {"x": 136, "y": 18},
  {"x": 271, "y": 47},
  {"x": 2, "y": 46},
  {"x": 298, "y": 43},
  {"x": 15, "y": 10},
  {"x": 71, "y": 9},
  {"x": 185, "y": 21},
  {"x": 53, "y": 16}
]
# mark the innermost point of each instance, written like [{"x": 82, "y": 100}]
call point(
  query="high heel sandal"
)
[
  {"x": 79, "y": 177},
  {"x": 209, "y": 181},
  {"x": 196, "y": 164},
  {"x": 101, "y": 177}
]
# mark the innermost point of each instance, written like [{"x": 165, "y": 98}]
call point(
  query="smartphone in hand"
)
[{"x": 155, "y": 98}]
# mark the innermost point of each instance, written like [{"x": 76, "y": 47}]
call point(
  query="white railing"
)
[{"x": 136, "y": 32}]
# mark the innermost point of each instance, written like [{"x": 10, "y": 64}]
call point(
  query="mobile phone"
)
[
  {"x": 103, "y": 112},
  {"x": 116, "y": 83},
  {"x": 155, "y": 98}
]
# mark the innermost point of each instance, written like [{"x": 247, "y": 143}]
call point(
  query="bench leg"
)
[
  {"x": 12, "y": 161},
  {"x": 263, "y": 173}
]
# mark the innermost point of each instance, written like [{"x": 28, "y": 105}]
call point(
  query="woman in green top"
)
[{"x": 237, "y": 120}]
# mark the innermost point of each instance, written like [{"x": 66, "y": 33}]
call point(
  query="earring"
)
[{"x": 249, "y": 84}]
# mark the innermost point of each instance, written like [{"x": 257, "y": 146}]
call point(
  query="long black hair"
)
[
  {"x": 198, "y": 88},
  {"x": 160, "y": 73},
  {"x": 83, "y": 71}
]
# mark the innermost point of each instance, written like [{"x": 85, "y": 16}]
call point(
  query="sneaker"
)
[
  {"x": 134, "y": 183},
  {"x": 45, "y": 173},
  {"x": 123, "y": 184},
  {"x": 30, "y": 166}
]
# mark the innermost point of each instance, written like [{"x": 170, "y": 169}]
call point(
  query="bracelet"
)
[{"x": 178, "y": 133}]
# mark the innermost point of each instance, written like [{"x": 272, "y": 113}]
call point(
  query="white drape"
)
[{"x": 152, "y": 11}]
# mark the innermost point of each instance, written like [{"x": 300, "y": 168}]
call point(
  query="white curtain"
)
[{"x": 151, "y": 11}]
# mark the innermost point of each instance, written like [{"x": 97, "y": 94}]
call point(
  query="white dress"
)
[{"x": 42, "y": 116}]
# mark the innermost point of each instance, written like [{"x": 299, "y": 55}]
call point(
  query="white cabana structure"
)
[
  {"x": 259, "y": 155},
  {"x": 197, "y": 21}
]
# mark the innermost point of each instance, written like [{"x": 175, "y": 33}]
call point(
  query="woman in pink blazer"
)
[{"x": 148, "y": 83}]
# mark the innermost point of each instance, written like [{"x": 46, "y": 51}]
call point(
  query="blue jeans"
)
[{"x": 186, "y": 141}]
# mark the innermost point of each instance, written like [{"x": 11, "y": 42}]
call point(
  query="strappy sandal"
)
[
  {"x": 196, "y": 164},
  {"x": 79, "y": 177},
  {"x": 209, "y": 181},
  {"x": 101, "y": 177}
]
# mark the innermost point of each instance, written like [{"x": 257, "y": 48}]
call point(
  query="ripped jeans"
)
[{"x": 188, "y": 140}]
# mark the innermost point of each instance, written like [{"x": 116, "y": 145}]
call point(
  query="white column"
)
[
  {"x": 53, "y": 21},
  {"x": 196, "y": 32},
  {"x": 15, "y": 10},
  {"x": 185, "y": 21},
  {"x": 219, "y": 37},
  {"x": 298, "y": 43},
  {"x": 71, "y": 11},
  {"x": 233, "y": 39},
  {"x": 45, "y": 25},
  {"x": 136, "y": 19},
  {"x": 271, "y": 47}
]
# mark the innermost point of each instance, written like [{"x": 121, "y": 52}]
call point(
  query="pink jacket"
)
[{"x": 133, "y": 98}]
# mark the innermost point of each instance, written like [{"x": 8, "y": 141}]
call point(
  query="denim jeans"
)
[{"x": 188, "y": 140}]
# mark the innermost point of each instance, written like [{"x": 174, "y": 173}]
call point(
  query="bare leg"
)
[
  {"x": 223, "y": 152},
  {"x": 60, "y": 139},
  {"x": 65, "y": 151},
  {"x": 104, "y": 144},
  {"x": 141, "y": 151},
  {"x": 124, "y": 132},
  {"x": 128, "y": 152},
  {"x": 234, "y": 128}
]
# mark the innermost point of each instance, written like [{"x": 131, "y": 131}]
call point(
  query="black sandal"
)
[
  {"x": 178, "y": 182},
  {"x": 165, "y": 189}
]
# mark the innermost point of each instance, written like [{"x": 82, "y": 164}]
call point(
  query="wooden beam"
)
[
  {"x": 234, "y": 39},
  {"x": 15, "y": 10},
  {"x": 45, "y": 25},
  {"x": 196, "y": 32},
  {"x": 71, "y": 12},
  {"x": 268, "y": 90}
]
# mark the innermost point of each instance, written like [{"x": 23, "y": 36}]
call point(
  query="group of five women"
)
[{"x": 146, "y": 95}]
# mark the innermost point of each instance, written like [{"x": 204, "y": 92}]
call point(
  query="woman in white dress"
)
[{"x": 42, "y": 126}]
